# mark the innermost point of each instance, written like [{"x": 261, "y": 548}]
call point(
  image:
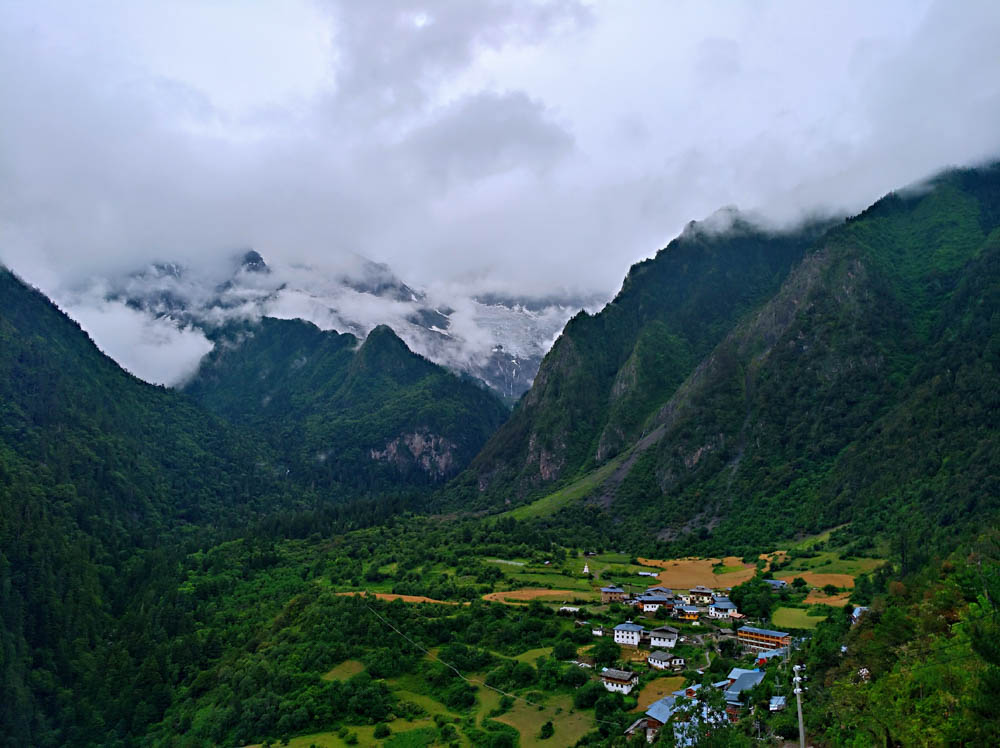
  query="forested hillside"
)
[
  {"x": 863, "y": 390},
  {"x": 607, "y": 372},
  {"x": 360, "y": 416}
]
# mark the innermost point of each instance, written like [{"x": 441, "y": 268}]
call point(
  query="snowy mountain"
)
[{"x": 498, "y": 339}]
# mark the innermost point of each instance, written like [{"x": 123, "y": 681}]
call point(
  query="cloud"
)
[
  {"x": 520, "y": 147},
  {"x": 156, "y": 350}
]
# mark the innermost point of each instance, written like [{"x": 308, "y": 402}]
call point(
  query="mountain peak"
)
[{"x": 252, "y": 262}]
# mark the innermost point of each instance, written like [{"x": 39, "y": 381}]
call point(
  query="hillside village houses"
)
[
  {"x": 619, "y": 681},
  {"x": 665, "y": 660},
  {"x": 664, "y": 636},
  {"x": 628, "y": 633},
  {"x": 612, "y": 594}
]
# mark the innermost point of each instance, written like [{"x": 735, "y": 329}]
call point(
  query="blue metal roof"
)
[
  {"x": 763, "y": 632},
  {"x": 662, "y": 710},
  {"x": 744, "y": 683},
  {"x": 628, "y": 626}
]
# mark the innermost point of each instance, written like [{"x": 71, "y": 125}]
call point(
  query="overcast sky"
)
[{"x": 501, "y": 144}]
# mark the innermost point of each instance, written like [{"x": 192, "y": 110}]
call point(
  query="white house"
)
[
  {"x": 701, "y": 595},
  {"x": 620, "y": 681},
  {"x": 628, "y": 633},
  {"x": 664, "y": 636},
  {"x": 651, "y": 602},
  {"x": 659, "y": 660},
  {"x": 721, "y": 609}
]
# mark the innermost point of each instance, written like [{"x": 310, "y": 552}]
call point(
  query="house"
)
[
  {"x": 761, "y": 640},
  {"x": 568, "y": 610},
  {"x": 777, "y": 704},
  {"x": 746, "y": 681},
  {"x": 765, "y": 657},
  {"x": 665, "y": 591},
  {"x": 650, "y": 603},
  {"x": 597, "y": 630},
  {"x": 701, "y": 595},
  {"x": 675, "y": 708},
  {"x": 778, "y": 584},
  {"x": 857, "y": 613},
  {"x": 612, "y": 594},
  {"x": 721, "y": 609},
  {"x": 663, "y": 636},
  {"x": 628, "y": 633},
  {"x": 619, "y": 681},
  {"x": 648, "y": 574},
  {"x": 687, "y": 613},
  {"x": 659, "y": 660}
]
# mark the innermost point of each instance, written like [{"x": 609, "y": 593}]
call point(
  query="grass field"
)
[
  {"x": 580, "y": 489},
  {"x": 795, "y": 618},
  {"x": 533, "y": 654},
  {"x": 657, "y": 689},
  {"x": 528, "y": 720},
  {"x": 345, "y": 670}
]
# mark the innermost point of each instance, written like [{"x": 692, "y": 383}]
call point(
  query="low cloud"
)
[{"x": 525, "y": 148}]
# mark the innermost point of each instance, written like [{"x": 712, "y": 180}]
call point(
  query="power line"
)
[{"x": 473, "y": 681}]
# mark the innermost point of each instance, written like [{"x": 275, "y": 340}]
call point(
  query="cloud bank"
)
[{"x": 519, "y": 147}]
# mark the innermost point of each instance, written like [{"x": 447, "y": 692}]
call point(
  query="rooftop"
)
[
  {"x": 744, "y": 683},
  {"x": 612, "y": 589},
  {"x": 660, "y": 656},
  {"x": 662, "y": 710},
  {"x": 762, "y": 632},
  {"x": 622, "y": 675},
  {"x": 629, "y": 626}
]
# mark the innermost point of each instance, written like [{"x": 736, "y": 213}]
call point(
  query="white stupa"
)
[{"x": 586, "y": 568}]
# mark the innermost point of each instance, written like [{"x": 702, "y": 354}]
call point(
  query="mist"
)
[{"x": 527, "y": 149}]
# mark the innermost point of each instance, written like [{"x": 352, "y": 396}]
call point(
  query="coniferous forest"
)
[{"x": 321, "y": 540}]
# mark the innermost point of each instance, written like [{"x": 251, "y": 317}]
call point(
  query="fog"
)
[{"x": 524, "y": 148}]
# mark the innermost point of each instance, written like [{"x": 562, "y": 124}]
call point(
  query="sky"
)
[{"x": 490, "y": 145}]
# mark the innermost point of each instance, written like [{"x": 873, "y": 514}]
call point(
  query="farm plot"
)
[{"x": 685, "y": 573}]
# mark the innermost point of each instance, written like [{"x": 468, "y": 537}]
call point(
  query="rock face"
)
[{"x": 430, "y": 453}]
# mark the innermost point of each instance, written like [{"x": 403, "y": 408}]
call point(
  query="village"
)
[{"x": 655, "y": 646}]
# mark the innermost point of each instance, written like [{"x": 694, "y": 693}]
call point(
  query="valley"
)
[{"x": 767, "y": 441}]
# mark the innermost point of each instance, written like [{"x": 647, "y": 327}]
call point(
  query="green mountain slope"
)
[
  {"x": 360, "y": 416},
  {"x": 94, "y": 466},
  {"x": 607, "y": 372},
  {"x": 863, "y": 391}
]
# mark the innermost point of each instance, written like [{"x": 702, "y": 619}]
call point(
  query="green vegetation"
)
[
  {"x": 327, "y": 405},
  {"x": 172, "y": 564},
  {"x": 795, "y": 618}
]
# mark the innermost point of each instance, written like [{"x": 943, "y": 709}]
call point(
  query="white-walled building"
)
[
  {"x": 619, "y": 681},
  {"x": 628, "y": 633},
  {"x": 664, "y": 636}
]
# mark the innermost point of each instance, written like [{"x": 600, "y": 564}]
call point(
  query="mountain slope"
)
[
  {"x": 608, "y": 372},
  {"x": 347, "y": 414},
  {"x": 864, "y": 391},
  {"x": 95, "y": 466}
]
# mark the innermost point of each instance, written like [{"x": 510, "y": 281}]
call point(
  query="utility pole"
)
[{"x": 797, "y": 680}]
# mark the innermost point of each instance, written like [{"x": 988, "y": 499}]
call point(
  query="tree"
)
[
  {"x": 606, "y": 652},
  {"x": 547, "y": 730}
]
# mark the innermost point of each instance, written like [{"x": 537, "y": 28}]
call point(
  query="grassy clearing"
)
[
  {"x": 830, "y": 562},
  {"x": 345, "y": 670},
  {"x": 579, "y": 489},
  {"x": 533, "y": 654},
  {"x": 657, "y": 689},
  {"x": 528, "y": 720},
  {"x": 403, "y": 734},
  {"x": 795, "y": 618},
  {"x": 553, "y": 579}
]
